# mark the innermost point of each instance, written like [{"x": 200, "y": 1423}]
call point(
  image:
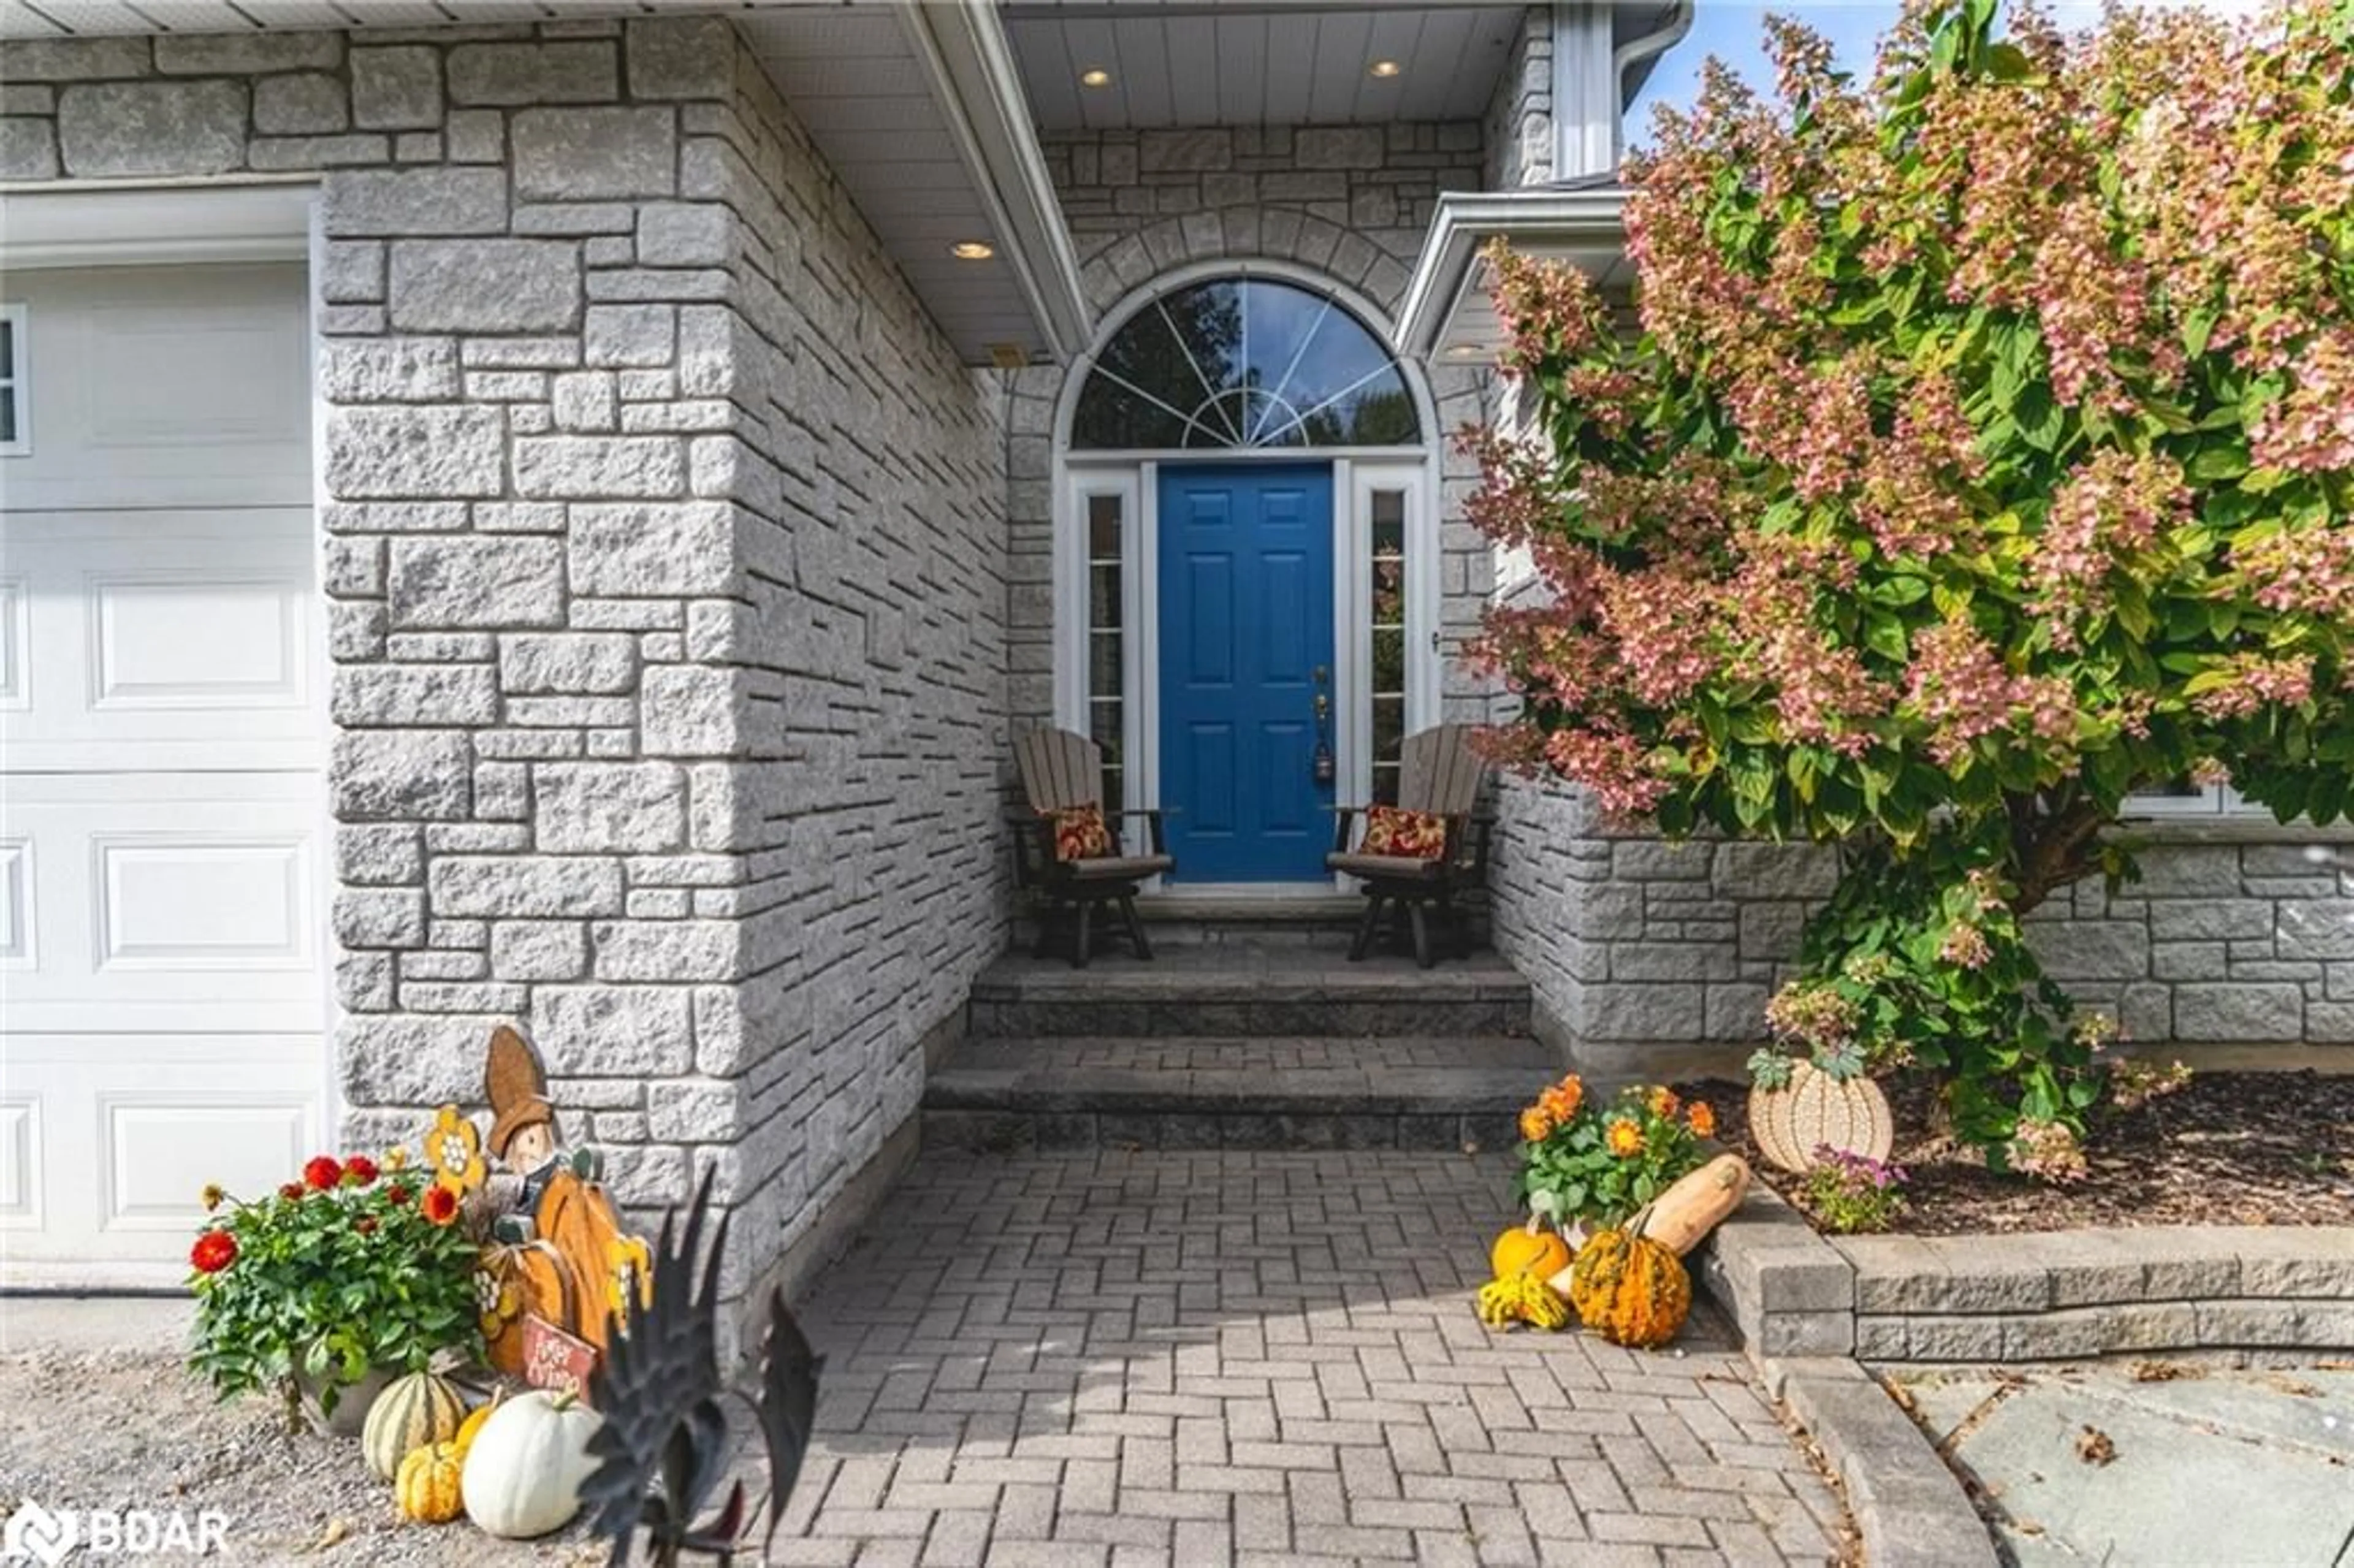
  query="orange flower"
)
[
  {"x": 441, "y": 1205},
  {"x": 1625, "y": 1139},
  {"x": 1702, "y": 1119},
  {"x": 1664, "y": 1102},
  {"x": 1536, "y": 1124},
  {"x": 1566, "y": 1097}
]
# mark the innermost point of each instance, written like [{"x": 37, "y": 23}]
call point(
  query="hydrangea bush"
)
[{"x": 1985, "y": 456}]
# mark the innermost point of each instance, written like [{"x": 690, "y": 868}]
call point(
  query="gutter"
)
[
  {"x": 968, "y": 62},
  {"x": 1642, "y": 51},
  {"x": 1465, "y": 220}
]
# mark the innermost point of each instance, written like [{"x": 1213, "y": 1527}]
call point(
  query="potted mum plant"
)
[
  {"x": 1588, "y": 1167},
  {"x": 332, "y": 1284}
]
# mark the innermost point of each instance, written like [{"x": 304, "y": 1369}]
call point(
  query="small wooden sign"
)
[{"x": 555, "y": 1359}]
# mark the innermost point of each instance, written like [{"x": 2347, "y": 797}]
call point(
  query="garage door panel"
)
[
  {"x": 20, "y": 1156},
  {"x": 163, "y": 640},
  {"x": 164, "y": 387},
  {"x": 15, "y": 634},
  {"x": 197, "y": 639},
  {"x": 107, "y": 1140},
  {"x": 154, "y": 897},
  {"x": 162, "y": 1147},
  {"x": 15, "y": 902},
  {"x": 164, "y": 1004}
]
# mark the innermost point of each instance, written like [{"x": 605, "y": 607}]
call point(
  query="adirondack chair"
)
[
  {"x": 1060, "y": 770},
  {"x": 1438, "y": 774}
]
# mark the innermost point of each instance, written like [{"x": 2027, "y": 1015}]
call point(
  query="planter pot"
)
[
  {"x": 1819, "y": 1111},
  {"x": 351, "y": 1402}
]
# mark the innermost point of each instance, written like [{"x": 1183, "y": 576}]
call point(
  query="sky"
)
[{"x": 1735, "y": 31}]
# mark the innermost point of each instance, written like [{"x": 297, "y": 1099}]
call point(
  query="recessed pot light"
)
[
  {"x": 1386, "y": 68},
  {"x": 1095, "y": 75},
  {"x": 972, "y": 250}
]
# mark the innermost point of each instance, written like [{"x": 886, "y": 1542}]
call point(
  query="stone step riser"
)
[
  {"x": 1347, "y": 1018},
  {"x": 1015, "y": 1129},
  {"x": 1323, "y": 936}
]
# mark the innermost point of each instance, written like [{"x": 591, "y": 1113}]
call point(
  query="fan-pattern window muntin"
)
[
  {"x": 1242, "y": 363},
  {"x": 16, "y": 438}
]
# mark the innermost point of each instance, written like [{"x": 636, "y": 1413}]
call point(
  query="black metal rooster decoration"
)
[{"x": 663, "y": 1448}]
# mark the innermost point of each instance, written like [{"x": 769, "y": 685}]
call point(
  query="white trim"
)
[
  {"x": 113, "y": 224},
  {"x": 19, "y": 378},
  {"x": 332, "y": 1107},
  {"x": 1587, "y": 106},
  {"x": 964, "y": 52},
  {"x": 1463, "y": 222}
]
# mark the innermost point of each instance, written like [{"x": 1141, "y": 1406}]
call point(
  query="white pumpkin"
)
[{"x": 526, "y": 1467}]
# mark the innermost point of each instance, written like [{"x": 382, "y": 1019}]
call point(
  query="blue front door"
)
[{"x": 1246, "y": 650}]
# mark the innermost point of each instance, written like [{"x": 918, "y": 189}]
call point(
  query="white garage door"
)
[{"x": 162, "y": 1001}]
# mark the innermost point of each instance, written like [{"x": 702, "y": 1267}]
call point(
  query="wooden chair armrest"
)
[{"x": 1341, "y": 816}]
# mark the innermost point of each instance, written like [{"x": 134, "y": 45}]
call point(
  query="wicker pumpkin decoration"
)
[
  {"x": 1529, "y": 1249},
  {"x": 1629, "y": 1289},
  {"x": 1815, "y": 1110},
  {"x": 427, "y": 1486},
  {"x": 412, "y": 1412}
]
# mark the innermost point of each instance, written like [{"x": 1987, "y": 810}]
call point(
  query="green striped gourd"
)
[{"x": 412, "y": 1412}]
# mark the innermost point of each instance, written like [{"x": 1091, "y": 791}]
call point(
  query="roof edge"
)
[
  {"x": 1465, "y": 222},
  {"x": 965, "y": 52}
]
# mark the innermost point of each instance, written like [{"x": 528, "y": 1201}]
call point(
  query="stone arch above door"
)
[{"x": 1128, "y": 262}]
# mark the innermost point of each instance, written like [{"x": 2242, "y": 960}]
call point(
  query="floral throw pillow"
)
[
  {"x": 1408, "y": 835},
  {"x": 1080, "y": 833}
]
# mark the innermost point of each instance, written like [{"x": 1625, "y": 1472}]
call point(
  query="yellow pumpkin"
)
[
  {"x": 427, "y": 1488},
  {"x": 473, "y": 1422},
  {"x": 1529, "y": 1249},
  {"x": 1629, "y": 1289}
]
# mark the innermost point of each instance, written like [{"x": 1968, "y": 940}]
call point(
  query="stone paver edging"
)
[
  {"x": 1791, "y": 1298},
  {"x": 1810, "y": 1309}
]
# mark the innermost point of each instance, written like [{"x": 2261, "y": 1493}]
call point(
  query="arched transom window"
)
[{"x": 1244, "y": 362}]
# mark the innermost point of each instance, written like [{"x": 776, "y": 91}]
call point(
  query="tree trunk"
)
[{"x": 2052, "y": 848}]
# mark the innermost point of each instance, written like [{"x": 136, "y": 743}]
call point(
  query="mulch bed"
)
[{"x": 2230, "y": 1148}]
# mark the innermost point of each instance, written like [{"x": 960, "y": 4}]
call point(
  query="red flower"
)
[
  {"x": 397, "y": 1194},
  {"x": 359, "y": 1171},
  {"x": 214, "y": 1251},
  {"x": 291, "y": 1192},
  {"x": 323, "y": 1173},
  {"x": 441, "y": 1205},
  {"x": 365, "y": 1224}
]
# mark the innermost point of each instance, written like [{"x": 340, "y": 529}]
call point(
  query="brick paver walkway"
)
[{"x": 1202, "y": 1358}]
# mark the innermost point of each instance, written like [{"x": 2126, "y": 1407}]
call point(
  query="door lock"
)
[{"x": 1324, "y": 769}]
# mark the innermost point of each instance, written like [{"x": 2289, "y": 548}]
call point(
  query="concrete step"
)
[
  {"x": 1233, "y": 1092},
  {"x": 1321, "y": 920},
  {"x": 1267, "y": 992}
]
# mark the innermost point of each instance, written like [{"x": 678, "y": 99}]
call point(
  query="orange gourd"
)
[
  {"x": 1529, "y": 1249},
  {"x": 1629, "y": 1289}
]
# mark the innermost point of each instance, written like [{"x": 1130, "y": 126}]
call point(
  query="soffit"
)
[
  {"x": 1449, "y": 317},
  {"x": 887, "y": 92},
  {"x": 1235, "y": 62}
]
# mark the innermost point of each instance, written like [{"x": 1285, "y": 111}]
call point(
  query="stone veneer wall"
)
[
  {"x": 1351, "y": 203},
  {"x": 664, "y": 557},
  {"x": 1630, "y": 942},
  {"x": 1520, "y": 118}
]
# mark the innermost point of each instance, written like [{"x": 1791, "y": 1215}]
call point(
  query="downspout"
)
[{"x": 1633, "y": 52}]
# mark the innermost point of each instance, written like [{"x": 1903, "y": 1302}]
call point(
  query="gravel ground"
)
[
  {"x": 2230, "y": 1148},
  {"x": 138, "y": 1433}
]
